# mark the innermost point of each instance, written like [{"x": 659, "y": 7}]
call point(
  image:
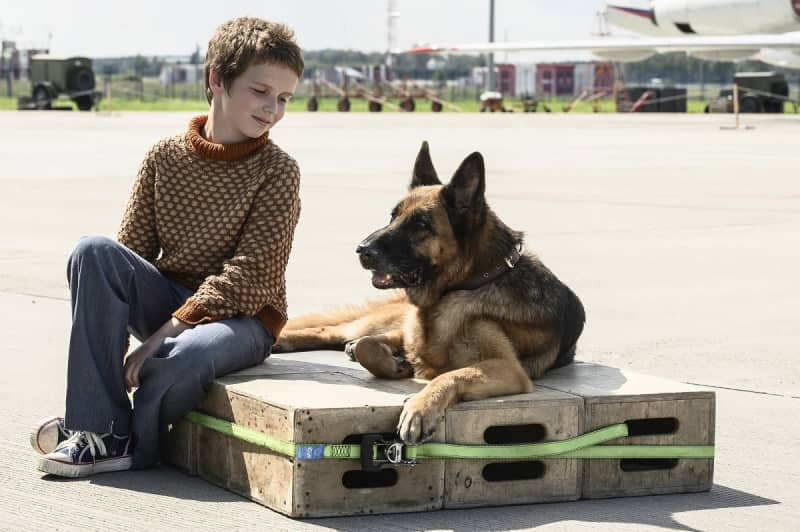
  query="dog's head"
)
[{"x": 429, "y": 228}]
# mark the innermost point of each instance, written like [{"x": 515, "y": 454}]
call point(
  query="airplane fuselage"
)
[{"x": 709, "y": 17}]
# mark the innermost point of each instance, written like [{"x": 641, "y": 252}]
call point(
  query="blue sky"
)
[{"x": 163, "y": 27}]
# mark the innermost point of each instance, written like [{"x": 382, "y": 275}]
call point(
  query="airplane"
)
[{"x": 717, "y": 30}]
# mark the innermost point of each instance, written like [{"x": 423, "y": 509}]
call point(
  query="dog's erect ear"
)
[
  {"x": 467, "y": 186},
  {"x": 424, "y": 173}
]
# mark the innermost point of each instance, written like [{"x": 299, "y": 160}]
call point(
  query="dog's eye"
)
[{"x": 422, "y": 224}]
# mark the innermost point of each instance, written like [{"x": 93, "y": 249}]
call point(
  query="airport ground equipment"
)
[
  {"x": 575, "y": 101},
  {"x": 651, "y": 99},
  {"x": 438, "y": 103},
  {"x": 317, "y": 438},
  {"x": 758, "y": 92},
  {"x": 343, "y": 103},
  {"x": 491, "y": 102},
  {"x": 52, "y": 77}
]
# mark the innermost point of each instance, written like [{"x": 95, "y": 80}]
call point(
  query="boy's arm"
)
[
  {"x": 254, "y": 277},
  {"x": 138, "y": 229},
  {"x": 137, "y": 357}
]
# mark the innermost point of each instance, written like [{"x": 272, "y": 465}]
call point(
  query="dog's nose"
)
[{"x": 366, "y": 250}]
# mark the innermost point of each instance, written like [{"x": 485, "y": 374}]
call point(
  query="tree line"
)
[
  {"x": 682, "y": 68},
  {"x": 677, "y": 67}
]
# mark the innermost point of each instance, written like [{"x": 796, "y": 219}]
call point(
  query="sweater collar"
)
[{"x": 220, "y": 152}]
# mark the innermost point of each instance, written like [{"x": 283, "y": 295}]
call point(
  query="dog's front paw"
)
[{"x": 419, "y": 419}]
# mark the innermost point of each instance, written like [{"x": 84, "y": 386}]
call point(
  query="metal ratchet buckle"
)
[{"x": 376, "y": 453}]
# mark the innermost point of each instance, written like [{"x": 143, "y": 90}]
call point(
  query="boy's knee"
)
[
  {"x": 188, "y": 388},
  {"x": 91, "y": 247}
]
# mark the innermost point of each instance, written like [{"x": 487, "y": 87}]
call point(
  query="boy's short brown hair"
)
[{"x": 245, "y": 41}]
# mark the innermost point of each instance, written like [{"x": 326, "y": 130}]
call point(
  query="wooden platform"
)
[
  {"x": 658, "y": 412},
  {"x": 330, "y": 400},
  {"x": 544, "y": 415}
]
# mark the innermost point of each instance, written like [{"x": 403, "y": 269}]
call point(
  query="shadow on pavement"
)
[
  {"x": 659, "y": 510},
  {"x": 162, "y": 480}
]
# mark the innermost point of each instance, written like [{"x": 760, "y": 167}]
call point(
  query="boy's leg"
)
[
  {"x": 112, "y": 290},
  {"x": 178, "y": 377}
]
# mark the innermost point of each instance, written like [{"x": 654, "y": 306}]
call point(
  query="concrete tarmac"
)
[{"x": 680, "y": 237}]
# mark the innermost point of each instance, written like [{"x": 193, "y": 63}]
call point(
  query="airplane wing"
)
[{"x": 632, "y": 45}]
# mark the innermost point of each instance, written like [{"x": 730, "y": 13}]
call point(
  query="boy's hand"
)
[
  {"x": 134, "y": 361},
  {"x": 133, "y": 364}
]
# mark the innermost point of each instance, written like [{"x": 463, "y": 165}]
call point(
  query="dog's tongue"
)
[{"x": 381, "y": 279}]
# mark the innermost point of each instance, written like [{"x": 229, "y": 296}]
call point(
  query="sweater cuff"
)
[
  {"x": 273, "y": 320},
  {"x": 192, "y": 313}
]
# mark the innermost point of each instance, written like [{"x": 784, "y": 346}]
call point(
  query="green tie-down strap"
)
[{"x": 586, "y": 446}]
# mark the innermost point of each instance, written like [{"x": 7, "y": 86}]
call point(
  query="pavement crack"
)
[
  {"x": 746, "y": 390},
  {"x": 28, "y": 294}
]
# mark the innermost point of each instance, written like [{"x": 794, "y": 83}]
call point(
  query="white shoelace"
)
[{"x": 92, "y": 439}]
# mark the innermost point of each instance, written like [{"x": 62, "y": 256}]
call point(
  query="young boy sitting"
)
[{"x": 198, "y": 269}]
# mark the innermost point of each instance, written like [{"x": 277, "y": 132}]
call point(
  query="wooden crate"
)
[
  {"x": 544, "y": 415},
  {"x": 306, "y": 403},
  {"x": 664, "y": 412}
]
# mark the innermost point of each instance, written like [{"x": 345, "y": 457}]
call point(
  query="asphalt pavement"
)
[{"x": 680, "y": 237}]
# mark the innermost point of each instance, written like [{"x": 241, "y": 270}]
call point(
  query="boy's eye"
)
[{"x": 260, "y": 92}]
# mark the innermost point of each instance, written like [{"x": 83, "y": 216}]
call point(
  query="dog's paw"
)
[
  {"x": 281, "y": 346},
  {"x": 350, "y": 350},
  {"x": 418, "y": 421},
  {"x": 379, "y": 358}
]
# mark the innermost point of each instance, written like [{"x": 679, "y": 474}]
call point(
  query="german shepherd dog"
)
[{"x": 473, "y": 314}]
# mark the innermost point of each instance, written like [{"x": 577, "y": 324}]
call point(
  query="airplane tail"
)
[{"x": 632, "y": 18}]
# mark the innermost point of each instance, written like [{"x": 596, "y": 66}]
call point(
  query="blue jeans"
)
[{"x": 114, "y": 292}]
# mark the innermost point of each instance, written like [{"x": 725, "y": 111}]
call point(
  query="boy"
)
[{"x": 198, "y": 271}]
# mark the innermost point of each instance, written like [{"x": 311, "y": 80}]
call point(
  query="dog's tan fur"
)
[{"x": 471, "y": 343}]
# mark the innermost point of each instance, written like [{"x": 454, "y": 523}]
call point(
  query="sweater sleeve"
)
[
  {"x": 138, "y": 229},
  {"x": 253, "y": 279}
]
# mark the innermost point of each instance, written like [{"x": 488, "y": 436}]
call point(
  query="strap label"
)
[{"x": 310, "y": 452}]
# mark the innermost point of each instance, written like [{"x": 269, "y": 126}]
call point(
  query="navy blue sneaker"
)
[
  {"x": 86, "y": 453},
  {"x": 48, "y": 433}
]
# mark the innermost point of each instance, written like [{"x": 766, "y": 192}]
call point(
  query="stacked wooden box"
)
[{"x": 334, "y": 401}]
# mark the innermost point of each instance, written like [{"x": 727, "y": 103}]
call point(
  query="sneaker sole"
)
[
  {"x": 63, "y": 469},
  {"x": 43, "y": 440}
]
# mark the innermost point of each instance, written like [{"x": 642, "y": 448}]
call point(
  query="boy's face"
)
[{"x": 255, "y": 101}]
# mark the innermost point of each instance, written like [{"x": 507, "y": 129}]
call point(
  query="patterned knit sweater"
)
[{"x": 219, "y": 219}]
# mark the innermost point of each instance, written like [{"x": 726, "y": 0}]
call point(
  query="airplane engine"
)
[{"x": 781, "y": 58}]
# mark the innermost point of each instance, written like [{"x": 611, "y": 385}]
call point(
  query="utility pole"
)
[
  {"x": 490, "y": 69},
  {"x": 392, "y": 14}
]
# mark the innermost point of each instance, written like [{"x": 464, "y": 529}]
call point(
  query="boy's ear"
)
[
  {"x": 468, "y": 184},
  {"x": 214, "y": 80},
  {"x": 424, "y": 172}
]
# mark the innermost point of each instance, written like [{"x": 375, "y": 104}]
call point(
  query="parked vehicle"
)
[
  {"x": 759, "y": 92},
  {"x": 52, "y": 77}
]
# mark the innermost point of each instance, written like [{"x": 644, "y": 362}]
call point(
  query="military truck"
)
[
  {"x": 759, "y": 92},
  {"x": 54, "y": 76}
]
